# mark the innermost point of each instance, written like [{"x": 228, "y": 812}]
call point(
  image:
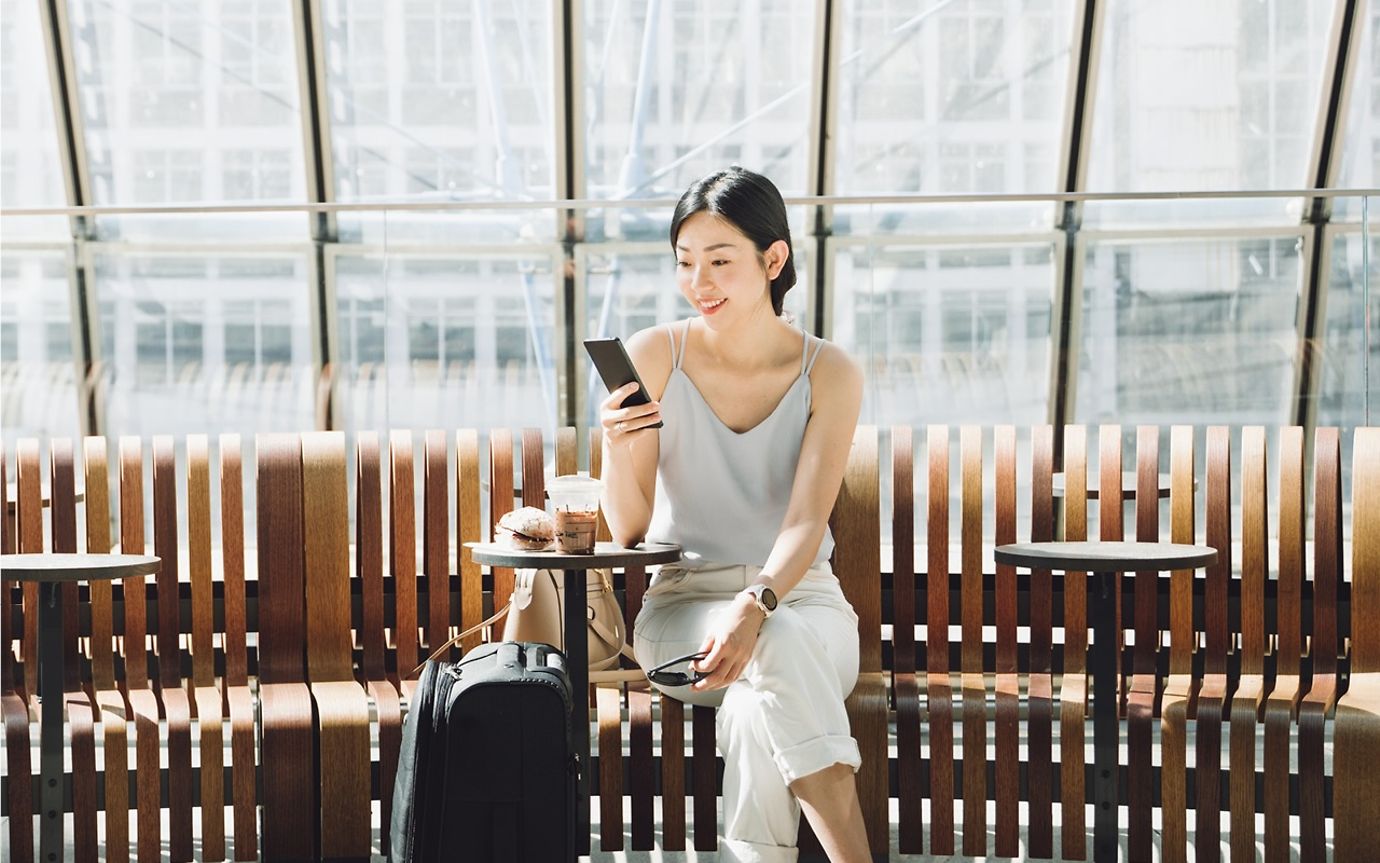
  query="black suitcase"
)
[{"x": 487, "y": 769}]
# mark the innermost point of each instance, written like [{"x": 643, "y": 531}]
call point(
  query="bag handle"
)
[{"x": 466, "y": 634}]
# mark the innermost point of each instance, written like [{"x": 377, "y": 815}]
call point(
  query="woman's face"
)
[{"x": 721, "y": 273}]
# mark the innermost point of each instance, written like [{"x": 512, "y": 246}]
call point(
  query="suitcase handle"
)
[{"x": 510, "y": 653}]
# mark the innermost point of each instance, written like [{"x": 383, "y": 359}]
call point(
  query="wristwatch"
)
[{"x": 764, "y": 597}]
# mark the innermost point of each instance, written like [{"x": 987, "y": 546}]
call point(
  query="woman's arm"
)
[
  {"x": 836, "y": 400},
  {"x": 630, "y": 452}
]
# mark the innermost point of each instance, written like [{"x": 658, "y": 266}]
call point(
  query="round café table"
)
[
  {"x": 1105, "y": 560},
  {"x": 51, "y": 571},
  {"x": 605, "y": 555}
]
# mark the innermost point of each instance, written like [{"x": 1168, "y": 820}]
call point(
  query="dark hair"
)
[{"x": 753, "y": 205}]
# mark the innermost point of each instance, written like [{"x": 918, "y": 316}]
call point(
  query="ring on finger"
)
[{"x": 618, "y": 425}]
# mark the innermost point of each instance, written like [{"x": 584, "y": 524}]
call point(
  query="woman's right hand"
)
[{"x": 621, "y": 425}]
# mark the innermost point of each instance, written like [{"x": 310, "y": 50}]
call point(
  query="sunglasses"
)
[{"x": 662, "y": 677}]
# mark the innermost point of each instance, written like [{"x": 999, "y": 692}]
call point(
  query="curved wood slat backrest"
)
[
  {"x": 325, "y": 506},
  {"x": 1147, "y": 530},
  {"x": 369, "y": 554},
  {"x": 1075, "y": 530},
  {"x": 1327, "y": 548},
  {"x": 1218, "y": 537},
  {"x": 62, "y": 521},
  {"x": 1041, "y": 530},
  {"x": 1365, "y": 551},
  {"x": 937, "y": 537},
  {"x": 596, "y": 464},
  {"x": 1255, "y": 555},
  {"x": 436, "y": 540},
  {"x": 1110, "y": 526},
  {"x": 165, "y": 545},
  {"x": 282, "y": 615},
  {"x": 199, "y": 559},
  {"x": 467, "y": 522},
  {"x": 232, "y": 562},
  {"x": 1005, "y": 443},
  {"x": 402, "y": 548},
  {"x": 533, "y": 481},
  {"x": 96, "y": 479},
  {"x": 1288, "y": 656},
  {"x": 7, "y": 669},
  {"x": 500, "y": 502},
  {"x": 132, "y": 542},
  {"x": 29, "y": 521},
  {"x": 903, "y": 550},
  {"x": 970, "y": 658},
  {"x": 1182, "y": 530}
]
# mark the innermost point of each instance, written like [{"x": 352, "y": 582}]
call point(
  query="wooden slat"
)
[
  {"x": 1140, "y": 699},
  {"x": 1040, "y": 688},
  {"x": 290, "y": 792},
  {"x": 1250, "y": 690},
  {"x": 1281, "y": 704},
  {"x": 436, "y": 541},
  {"x": 596, "y": 460},
  {"x": 1213, "y": 695},
  {"x": 15, "y": 708},
  {"x": 672, "y": 774},
  {"x": 1356, "y": 797},
  {"x": 1008, "y": 766},
  {"x": 533, "y": 481},
  {"x": 938, "y": 685},
  {"x": 342, "y": 707},
  {"x": 369, "y": 555},
  {"x": 609, "y": 711},
  {"x": 143, "y": 703},
  {"x": 856, "y": 525},
  {"x": 642, "y": 776},
  {"x": 1178, "y": 688},
  {"x": 29, "y": 521},
  {"x": 567, "y": 451},
  {"x": 467, "y": 521},
  {"x": 500, "y": 502},
  {"x": 974, "y": 685},
  {"x": 704, "y": 778},
  {"x": 905, "y": 684},
  {"x": 1073, "y": 691},
  {"x": 1322, "y": 693},
  {"x": 238, "y": 698},
  {"x": 110, "y": 702},
  {"x": 206, "y": 697},
  {"x": 402, "y": 552}
]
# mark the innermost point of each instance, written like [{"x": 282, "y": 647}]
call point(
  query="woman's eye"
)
[
  {"x": 682, "y": 263},
  {"x": 720, "y": 263}
]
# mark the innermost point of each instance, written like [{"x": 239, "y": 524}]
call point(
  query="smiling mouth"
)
[{"x": 711, "y": 305}]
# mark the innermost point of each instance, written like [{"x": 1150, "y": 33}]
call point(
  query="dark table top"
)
[
  {"x": 605, "y": 554},
  {"x": 1106, "y": 556},
  {"x": 76, "y": 567}
]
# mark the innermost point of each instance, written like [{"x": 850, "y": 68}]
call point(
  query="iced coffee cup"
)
[{"x": 575, "y": 505}]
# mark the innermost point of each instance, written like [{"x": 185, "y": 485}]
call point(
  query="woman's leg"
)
[{"x": 829, "y": 798}]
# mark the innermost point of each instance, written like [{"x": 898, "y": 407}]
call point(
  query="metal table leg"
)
[
  {"x": 50, "y": 671},
  {"x": 1105, "y": 728},
  {"x": 577, "y": 662}
]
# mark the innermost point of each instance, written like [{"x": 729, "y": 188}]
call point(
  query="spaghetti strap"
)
[
  {"x": 678, "y": 356},
  {"x": 675, "y": 356},
  {"x": 814, "y": 356}
]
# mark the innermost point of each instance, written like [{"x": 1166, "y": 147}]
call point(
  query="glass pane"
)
[
  {"x": 1349, "y": 391},
  {"x": 1180, "y": 331},
  {"x": 186, "y": 102},
  {"x": 964, "y": 97},
  {"x": 1230, "y": 102},
  {"x": 675, "y": 90},
  {"x": 438, "y": 100},
  {"x": 30, "y": 165},
  {"x": 1360, "y": 145},
  {"x": 446, "y": 340},
  {"x": 197, "y": 343},
  {"x": 947, "y": 334},
  {"x": 37, "y": 371}
]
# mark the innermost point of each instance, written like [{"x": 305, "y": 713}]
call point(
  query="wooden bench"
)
[{"x": 335, "y": 639}]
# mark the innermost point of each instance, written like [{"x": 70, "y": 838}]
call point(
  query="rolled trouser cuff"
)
[
  {"x": 815, "y": 755},
  {"x": 743, "y": 851}
]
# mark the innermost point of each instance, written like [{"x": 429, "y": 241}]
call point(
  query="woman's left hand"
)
[{"x": 729, "y": 644}]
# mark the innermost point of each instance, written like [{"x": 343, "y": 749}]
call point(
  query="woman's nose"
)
[{"x": 699, "y": 277}]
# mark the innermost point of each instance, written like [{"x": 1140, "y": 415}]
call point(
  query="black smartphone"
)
[{"x": 616, "y": 369}]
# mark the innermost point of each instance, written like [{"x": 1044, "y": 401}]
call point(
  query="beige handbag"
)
[{"x": 535, "y": 614}]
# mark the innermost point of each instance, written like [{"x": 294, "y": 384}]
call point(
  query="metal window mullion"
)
[
  {"x": 1080, "y": 98},
  {"x": 569, "y": 174},
  {"x": 1325, "y": 158},
  {"x": 820, "y": 161}
]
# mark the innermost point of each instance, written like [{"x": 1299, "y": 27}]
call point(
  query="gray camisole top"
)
[{"x": 720, "y": 494}]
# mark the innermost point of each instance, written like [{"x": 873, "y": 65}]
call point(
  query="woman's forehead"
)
[{"x": 706, "y": 231}]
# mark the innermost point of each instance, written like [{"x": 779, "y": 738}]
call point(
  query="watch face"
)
[{"x": 768, "y": 597}]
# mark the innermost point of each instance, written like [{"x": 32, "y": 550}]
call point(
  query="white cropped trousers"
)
[{"x": 784, "y": 718}]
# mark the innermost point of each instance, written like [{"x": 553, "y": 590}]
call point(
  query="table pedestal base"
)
[{"x": 576, "y": 649}]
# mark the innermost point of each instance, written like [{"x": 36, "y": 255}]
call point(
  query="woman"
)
[{"x": 758, "y": 422}]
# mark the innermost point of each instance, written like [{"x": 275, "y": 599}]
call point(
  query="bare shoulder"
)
[
  {"x": 836, "y": 375},
  {"x": 650, "y": 351}
]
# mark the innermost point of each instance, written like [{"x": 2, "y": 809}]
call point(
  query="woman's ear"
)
[{"x": 776, "y": 256}]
